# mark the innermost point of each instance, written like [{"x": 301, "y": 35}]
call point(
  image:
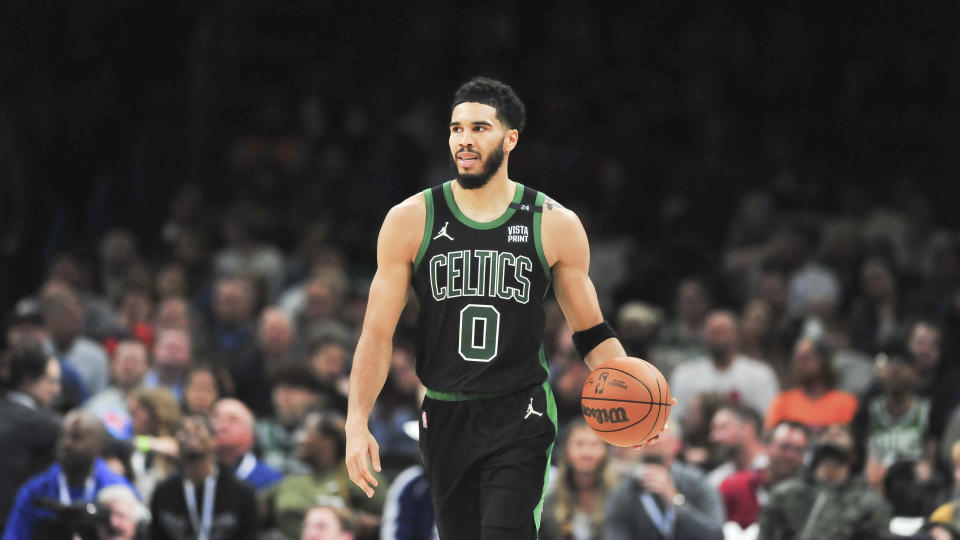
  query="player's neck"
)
[{"x": 492, "y": 197}]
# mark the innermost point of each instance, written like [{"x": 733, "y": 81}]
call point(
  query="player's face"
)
[{"x": 477, "y": 143}]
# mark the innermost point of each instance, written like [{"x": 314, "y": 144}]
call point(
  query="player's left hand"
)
[{"x": 653, "y": 440}]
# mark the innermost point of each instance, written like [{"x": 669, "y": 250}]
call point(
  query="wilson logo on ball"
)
[{"x": 615, "y": 415}]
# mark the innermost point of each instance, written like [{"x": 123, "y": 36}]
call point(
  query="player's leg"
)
[
  {"x": 513, "y": 475},
  {"x": 448, "y": 445}
]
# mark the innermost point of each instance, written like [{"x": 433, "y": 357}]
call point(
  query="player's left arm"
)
[{"x": 567, "y": 251}]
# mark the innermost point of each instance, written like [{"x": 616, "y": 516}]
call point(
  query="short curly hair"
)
[{"x": 510, "y": 110}]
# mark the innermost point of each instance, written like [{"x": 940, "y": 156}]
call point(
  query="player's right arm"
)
[{"x": 397, "y": 248}]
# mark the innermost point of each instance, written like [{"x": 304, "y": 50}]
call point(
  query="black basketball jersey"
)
[{"x": 480, "y": 287}]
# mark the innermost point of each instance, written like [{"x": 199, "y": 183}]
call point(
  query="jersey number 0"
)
[{"x": 479, "y": 332}]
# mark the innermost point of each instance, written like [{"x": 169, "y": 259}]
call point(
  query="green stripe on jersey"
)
[
  {"x": 427, "y": 228},
  {"x": 538, "y": 242}
]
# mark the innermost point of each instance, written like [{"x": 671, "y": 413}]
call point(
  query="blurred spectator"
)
[
  {"x": 939, "y": 377},
  {"x": 330, "y": 362},
  {"x": 682, "y": 336},
  {"x": 322, "y": 448},
  {"x": 745, "y": 491},
  {"x": 814, "y": 290},
  {"x": 408, "y": 512},
  {"x": 663, "y": 498},
  {"x": 877, "y": 313},
  {"x": 735, "y": 435},
  {"x": 171, "y": 282},
  {"x": 828, "y": 501},
  {"x": 397, "y": 405},
  {"x": 638, "y": 326},
  {"x": 201, "y": 497},
  {"x": 63, "y": 319},
  {"x": 135, "y": 313},
  {"x": 118, "y": 255},
  {"x": 276, "y": 339},
  {"x": 129, "y": 518},
  {"x": 759, "y": 337},
  {"x": 155, "y": 414},
  {"x": 172, "y": 358},
  {"x": 246, "y": 253},
  {"x": 28, "y": 429},
  {"x": 724, "y": 371},
  {"x": 317, "y": 316},
  {"x": 913, "y": 492},
  {"x": 25, "y": 326},
  {"x": 893, "y": 425},
  {"x": 78, "y": 476},
  {"x": 576, "y": 500},
  {"x": 327, "y": 523},
  {"x": 175, "y": 313},
  {"x": 72, "y": 274},
  {"x": 296, "y": 392},
  {"x": 813, "y": 400},
  {"x": 201, "y": 390},
  {"x": 234, "y": 341},
  {"x": 853, "y": 368},
  {"x": 128, "y": 366},
  {"x": 233, "y": 425}
]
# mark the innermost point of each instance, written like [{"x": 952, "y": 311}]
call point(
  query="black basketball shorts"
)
[{"x": 487, "y": 460}]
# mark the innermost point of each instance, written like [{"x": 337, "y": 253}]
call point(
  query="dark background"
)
[{"x": 651, "y": 121}]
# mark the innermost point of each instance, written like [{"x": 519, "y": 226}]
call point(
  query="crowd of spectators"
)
[
  {"x": 762, "y": 231},
  {"x": 815, "y": 370}
]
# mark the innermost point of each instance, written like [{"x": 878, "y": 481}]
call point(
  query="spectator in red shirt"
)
[{"x": 744, "y": 492}]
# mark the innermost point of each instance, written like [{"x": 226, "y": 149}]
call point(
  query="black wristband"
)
[{"x": 586, "y": 340}]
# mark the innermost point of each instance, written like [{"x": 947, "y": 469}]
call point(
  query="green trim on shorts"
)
[
  {"x": 464, "y": 396},
  {"x": 552, "y": 414},
  {"x": 427, "y": 228}
]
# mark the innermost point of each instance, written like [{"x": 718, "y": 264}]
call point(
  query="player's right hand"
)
[{"x": 360, "y": 446}]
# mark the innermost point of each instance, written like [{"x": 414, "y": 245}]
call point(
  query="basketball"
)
[{"x": 626, "y": 401}]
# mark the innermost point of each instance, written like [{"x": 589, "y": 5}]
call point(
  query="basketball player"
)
[{"x": 481, "y": 252}]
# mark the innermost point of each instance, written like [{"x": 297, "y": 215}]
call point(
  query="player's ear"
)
[{"x": 510, "y": 140}]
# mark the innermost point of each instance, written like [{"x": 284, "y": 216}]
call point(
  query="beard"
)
[{"x": 480, "y": 178}]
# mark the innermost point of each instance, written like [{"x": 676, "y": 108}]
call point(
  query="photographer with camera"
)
[
  {"x": 60, "y": 500},
  {"x": 664, "y": 499}
]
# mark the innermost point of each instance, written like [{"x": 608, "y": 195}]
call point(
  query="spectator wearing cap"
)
[
  {"x": 233, "y": 426},
  {"x": 128, "y": 366},
  {"x": 296, "y": 392},
  {"x": 28, "y": 430},
  {"x": 828, "y": 500}
]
